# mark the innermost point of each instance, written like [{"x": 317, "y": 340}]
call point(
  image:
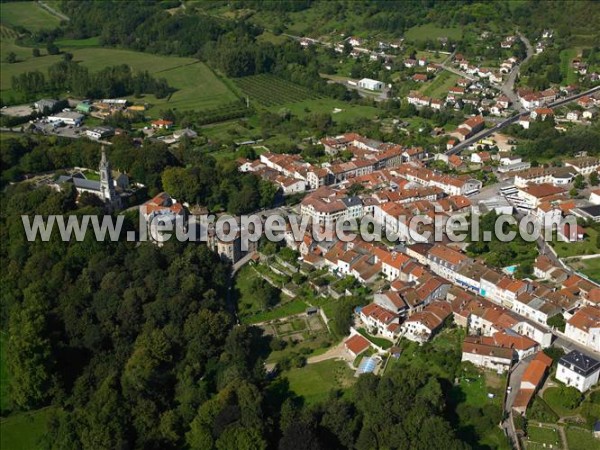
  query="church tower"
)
[{"x": 107, "y": 185}]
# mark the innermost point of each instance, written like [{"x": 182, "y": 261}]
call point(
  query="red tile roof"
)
[{"x": 357, "y": 344}]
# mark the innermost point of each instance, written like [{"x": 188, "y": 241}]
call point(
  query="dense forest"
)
[{"x": 136, "y": 347}]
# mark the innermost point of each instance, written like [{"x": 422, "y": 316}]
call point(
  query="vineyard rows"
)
[{"x": 269, "y": 90}]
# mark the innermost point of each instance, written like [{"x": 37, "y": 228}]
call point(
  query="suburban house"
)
[
  {"x": 578, "y": 370},
  {"x": 356, "y": 344}
]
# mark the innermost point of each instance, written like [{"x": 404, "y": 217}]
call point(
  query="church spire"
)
[{"x": 106, "y": 181}]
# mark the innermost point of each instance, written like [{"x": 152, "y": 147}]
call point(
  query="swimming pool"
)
[
  {"x": 367, "y": 365},
  {"x": 510, "y": 269}
]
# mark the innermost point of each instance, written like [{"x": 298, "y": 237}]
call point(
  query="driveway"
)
[{"x": 337, "y": 352}]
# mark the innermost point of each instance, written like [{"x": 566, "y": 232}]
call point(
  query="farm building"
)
[{"x": 372, "y": 85}]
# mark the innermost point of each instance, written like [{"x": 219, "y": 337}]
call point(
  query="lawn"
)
[
  {"x": 438, "y": 87},
  {"x": 579, "y": 439},
  {"x": 585, "y": 247},
  {"x": 430, "y": 31},
  {"x": 542, "y": 435},
  {"x": 27, "y": 15},
  {"x": 4, "y": 400},
  {"x": 315, "y": 381},
  {"x": 197, "y": 86},
  {"x": 383, "y": 343},
  {"x": 23, "y": 431},
  {"x": 591, "y": 268},
  {"x": 552, "y": 396}
]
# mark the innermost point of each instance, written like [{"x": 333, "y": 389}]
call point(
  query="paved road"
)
[
  {"x": 515, "y": 383},
  {"x": 489, "y": 131},
  {"x": 508, "y": 87}
]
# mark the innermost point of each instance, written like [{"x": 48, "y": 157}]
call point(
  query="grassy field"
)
[
  {"x": 78, "y": 43},
  {"x": 566, "y": 56},
  {"x": 581, "y": 439},
  {"x": 430, "y": 31},
  {"x": 197, "y": 86},
  {"x": 348, "y": 111},
  {"x": 28, "y": 15},
  {"x": 23, "y": 431},
  {"x": 438, "y": 87},
  {"x": 4, "y": 400},
  {"x": 585, "y": 247},
  {"x": 315, "y": 381},
  {"x": 540, "y": 435}
]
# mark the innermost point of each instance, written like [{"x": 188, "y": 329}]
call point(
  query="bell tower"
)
[{"x": 107, "y": 185}]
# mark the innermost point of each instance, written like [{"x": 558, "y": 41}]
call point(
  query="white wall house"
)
[{"x": 578, "y": 370}]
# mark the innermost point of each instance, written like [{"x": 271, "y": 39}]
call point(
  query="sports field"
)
[{"x": 28, "y": 15}]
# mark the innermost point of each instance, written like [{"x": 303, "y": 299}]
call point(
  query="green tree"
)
[
  {"x": 557, "y": 321},
  {"x": 29, "y": 357},
  {"x": 36, "y": 52},
  {"x": 593, "y": 179},
  {"x": 11, "y": 57}
]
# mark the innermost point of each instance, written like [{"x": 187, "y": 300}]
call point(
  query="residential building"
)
[
  {"x": 584, "y": 327},
  {"x": 487, "y": 356},
  {"x": 578, "y": 370}
]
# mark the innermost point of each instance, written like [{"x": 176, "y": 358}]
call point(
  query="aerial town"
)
[{"x": 431, "y": 124}]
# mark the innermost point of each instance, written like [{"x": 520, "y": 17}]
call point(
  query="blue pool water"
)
[
  {"x": 510, "y": 269},
  {"x": 367, "y": 365}
]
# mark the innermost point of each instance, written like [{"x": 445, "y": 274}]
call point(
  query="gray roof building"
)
[{"x": 580, "y": 363}]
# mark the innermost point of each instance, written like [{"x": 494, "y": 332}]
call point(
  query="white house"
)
[
  {"x": 372, "y": 85},
  {"x": 584, "y": 327},
  {"x": 578, "y": 370}
]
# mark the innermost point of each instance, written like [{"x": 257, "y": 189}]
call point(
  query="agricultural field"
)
[
  {"x": 28, "y": 15},
  {"x": 197, "y": 86},
  {"x": 430, "y": 31},
  {"x": 269, "y": 90},
  {"x": 315, "y": 381},
  {"x": 438, "y": 87},
  {"x": 566, "y": 56}
]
